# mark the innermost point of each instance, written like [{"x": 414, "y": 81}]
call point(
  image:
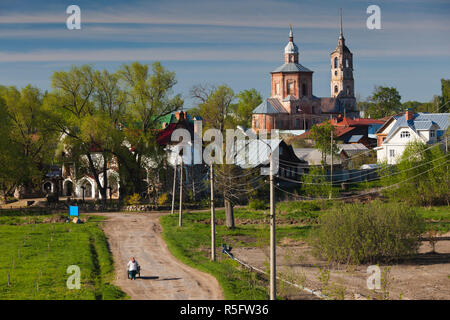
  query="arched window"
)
[
  {"x": 336, "y": 89},
  {"x": 348, "y": 90},
  {"x": 336, "y": 63},
  {"x": 305, "y": 93},
  {"x": 346, "y": 63}
]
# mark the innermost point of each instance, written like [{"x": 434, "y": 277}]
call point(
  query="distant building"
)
[
  {"x": 293, "y": 106},
  {"x": 399, "y": 130},
  {"x": 347, "y": 130}
]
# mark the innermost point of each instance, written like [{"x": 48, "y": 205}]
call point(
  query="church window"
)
[
  {"x": 304, "y": 89},
  {"x": 336, "y": 63},
  {"x": 346, "y": 63},
  {"x": 335, "y": 73},
  {"x": 348, "y": 90},
  {"x": 277, "y": 88},
  {"x": 336, "y": 89}
]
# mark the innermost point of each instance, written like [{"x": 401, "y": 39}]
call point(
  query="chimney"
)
[{"x": 409, "y": 114}]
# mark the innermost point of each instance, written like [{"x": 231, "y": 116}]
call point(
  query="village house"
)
[{"x": 400, "y": 130}]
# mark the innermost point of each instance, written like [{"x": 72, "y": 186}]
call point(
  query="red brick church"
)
[{"x": 293, "y": 106}]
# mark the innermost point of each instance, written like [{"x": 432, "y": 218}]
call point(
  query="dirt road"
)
[{"x": 162, "y": 276}]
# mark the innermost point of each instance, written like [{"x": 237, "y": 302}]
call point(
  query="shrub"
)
[
  {"x": 133, "y": 199},
  {"x": 368, "y": 233},
  {"x": 163, "y": 199},
  {"x": 257, "y": 204}
]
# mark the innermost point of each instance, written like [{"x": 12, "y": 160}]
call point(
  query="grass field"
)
[
  {"x": 35, "y": 252},
  {"x": 295, "y": 221}
]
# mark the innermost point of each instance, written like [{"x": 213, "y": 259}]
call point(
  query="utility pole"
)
[
  {"x": 174, "y": 187},
  {"x": 331, "y": 168},
  {"x": 213, "y": 221},
  {"x": 180, "y": 213},
  {"x": 273, "y": 256}
]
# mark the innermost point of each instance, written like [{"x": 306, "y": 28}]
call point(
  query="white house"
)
[{"x": 398, "y": 131}]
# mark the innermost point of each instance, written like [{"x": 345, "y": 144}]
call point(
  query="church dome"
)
[{"x": 291, "y": 47}]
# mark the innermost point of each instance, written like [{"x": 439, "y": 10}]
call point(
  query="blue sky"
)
[{"x": 237, "y": 42}]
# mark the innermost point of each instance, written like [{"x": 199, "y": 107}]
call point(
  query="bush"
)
[
  {"x": 163, "y": 199},
  {"x": 133, "y": 200},
  {"x": 257, "y": 204},
  {"x": 368, "y": 233}
]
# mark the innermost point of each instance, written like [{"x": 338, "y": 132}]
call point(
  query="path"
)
[{"x": 162, "y": 276}]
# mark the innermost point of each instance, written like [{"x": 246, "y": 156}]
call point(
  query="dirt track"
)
[{"x": 162, "y": 276}]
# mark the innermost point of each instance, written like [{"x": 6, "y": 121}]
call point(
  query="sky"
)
[{"x": 233, "y": 42}]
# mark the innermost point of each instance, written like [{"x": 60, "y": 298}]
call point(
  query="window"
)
[
  {"x": 336, "y": 89},
  {"x": 277, "y": 88},
  {"x": 391, "y": 153},
  {"x": 405, "y": 134},
  {"x": 348, "y": 90},
  {"x": 346, "y": 63},
  {"x": 304, "y": 89},
  {"x": 336, "y": 63},
  {"x": 432, "y": 134},
  {"x": 335, "y": 73}
]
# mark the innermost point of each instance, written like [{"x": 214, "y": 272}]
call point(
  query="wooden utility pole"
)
[
  {"x": 273, "y": 256},
  {"x": 331, "y": 168},
  {"x": 180, "y": 213},
  {"x": 174, "y": 187},
  {"x": 213, "y": 221}
]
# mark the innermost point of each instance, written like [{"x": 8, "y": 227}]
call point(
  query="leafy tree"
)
[
  {"x": 148, "y": 99},
  {"x": 248, "y": 100},
  {"x": 321, "y": 134},
  {"x": 431, "y": 185},
  {"x": 386, "y": 102},
  {"x": 216, "y": 108},
  {"x": 445, "y": 97},
  {"x": 30, "y": 145}
]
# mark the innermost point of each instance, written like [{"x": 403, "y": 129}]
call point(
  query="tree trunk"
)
[{"x": 229, "y": 214}]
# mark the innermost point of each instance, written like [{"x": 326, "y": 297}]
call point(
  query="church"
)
[{"x": 293, "y": 106}]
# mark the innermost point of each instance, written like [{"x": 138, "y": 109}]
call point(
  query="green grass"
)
[
  {"x": 438, "y": 218},
  {"x": 26, "y": 248},
  {"x": 191, "y": 245}
]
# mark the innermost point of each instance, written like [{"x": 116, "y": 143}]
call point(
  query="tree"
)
[
  {"x": 216, "y": 108},
  {"x": 445, "y": 97},
  {"x": 386, "y": 102},
  {"x": 321, "y": 134},
  {"x": 248, "y": 100},
  {"x": 82, "y": 122},
  {"x": 30, "y": 145},
  {"x": 431, "y": 185},
  {"x": 148, "y": 99}
]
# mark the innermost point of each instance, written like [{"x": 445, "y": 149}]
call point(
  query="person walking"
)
[{"x": 132, "y": 267}]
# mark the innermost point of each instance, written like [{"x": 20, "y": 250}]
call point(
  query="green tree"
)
[
  {"x": 27, "y": 141},
  {"x": 428, "y": 165},
  {"x": 216, "y": 108},
  {"x": 148, "y": 99},
  {"x": 445, "y": 96},
  {"x": 386, "y": 102},
  {"x": 321, "y": 135},
  {"x": 248, "y": 100}
]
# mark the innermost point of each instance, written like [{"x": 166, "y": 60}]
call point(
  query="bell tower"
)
[{"x": 342, "y": 82}]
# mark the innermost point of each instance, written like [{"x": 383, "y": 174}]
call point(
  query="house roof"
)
[
  {"x": 270, "y": 106},
  {"x": 291, "y": 67},
  {"x": 421, "y": 121},
  {"x": 355, "y": 138}
]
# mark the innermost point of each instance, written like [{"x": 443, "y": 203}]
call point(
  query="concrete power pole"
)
[
  {"x": 174, "y": 187},
  {"x": 273, "y": 256},
  {"x": 331, "y": 168},
  {"x": 180, "y": 212},
  {"x": 213, "y": 222}
]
